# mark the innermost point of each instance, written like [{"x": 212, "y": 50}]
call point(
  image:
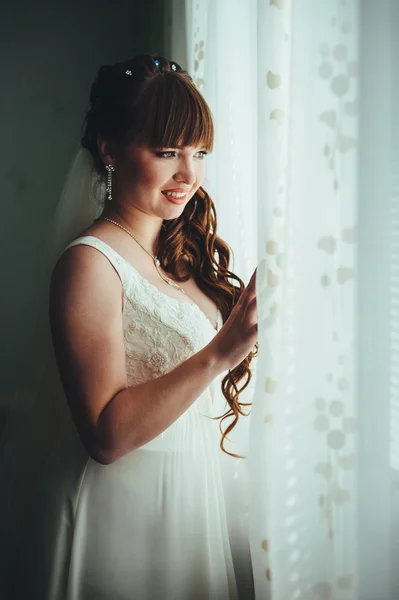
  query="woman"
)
[{"x": 131, "y": 505}]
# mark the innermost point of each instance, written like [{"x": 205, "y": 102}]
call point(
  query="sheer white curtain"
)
[{"x": 305, "y": 184}]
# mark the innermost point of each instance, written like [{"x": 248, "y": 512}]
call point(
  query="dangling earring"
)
[{"x": 110, "y": 170}]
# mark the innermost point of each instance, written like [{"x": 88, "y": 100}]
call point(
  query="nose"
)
[{"x": 186, "y": 173}]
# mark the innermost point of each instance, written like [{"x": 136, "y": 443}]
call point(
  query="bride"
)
[{"x": 148, "y": 340}]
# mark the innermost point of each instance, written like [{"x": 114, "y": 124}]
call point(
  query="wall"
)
[{"x": 49, "y": 57}]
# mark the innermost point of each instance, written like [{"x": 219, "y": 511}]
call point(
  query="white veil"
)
[
  {"x": 37, "y": 412},
  {"x": 82, "y": 201}
]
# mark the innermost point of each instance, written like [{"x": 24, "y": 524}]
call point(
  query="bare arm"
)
[
  {"x": 136, "y": 415},
  {"x": 86, "y": 322}
]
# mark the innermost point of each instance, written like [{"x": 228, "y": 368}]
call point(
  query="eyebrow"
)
[{"x": 179, "y": 147}]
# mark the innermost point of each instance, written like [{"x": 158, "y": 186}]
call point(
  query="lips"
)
[{"x": 175, "y": 200}]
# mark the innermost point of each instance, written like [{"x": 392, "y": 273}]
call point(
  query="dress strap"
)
[{"x": 114, "y": 258}]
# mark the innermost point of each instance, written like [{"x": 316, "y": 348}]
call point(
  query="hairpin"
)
[{"x": 158, "y": 64}]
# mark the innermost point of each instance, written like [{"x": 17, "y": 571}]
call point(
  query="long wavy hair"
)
[{"x": 153, "y": 101}]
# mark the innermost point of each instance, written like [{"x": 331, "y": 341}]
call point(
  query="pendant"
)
[{"x": 167, "y": 279}]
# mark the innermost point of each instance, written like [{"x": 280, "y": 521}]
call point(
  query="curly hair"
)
[{"x": 161, "y": 107}]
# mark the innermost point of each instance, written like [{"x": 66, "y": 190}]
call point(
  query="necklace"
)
[
  {"x": 156, "y": 261},
  {"x": 154, "y": 258}
]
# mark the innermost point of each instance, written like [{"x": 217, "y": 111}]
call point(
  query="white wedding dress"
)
[{"x": 152, "y": 525}]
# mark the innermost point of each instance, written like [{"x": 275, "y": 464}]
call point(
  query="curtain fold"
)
[
  {"x": 305, "y": 181},
  {"x": 377, "y": 509}
]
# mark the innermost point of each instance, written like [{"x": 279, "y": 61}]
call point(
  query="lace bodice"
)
[{"x": 160, "y": 332}]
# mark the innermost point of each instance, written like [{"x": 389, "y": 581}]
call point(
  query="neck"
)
[{"x": 143, "y": 227}]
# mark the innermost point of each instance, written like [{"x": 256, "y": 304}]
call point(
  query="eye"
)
[
  {"x": 168, "y": 153},
  {"x": 162, "y": 154}
]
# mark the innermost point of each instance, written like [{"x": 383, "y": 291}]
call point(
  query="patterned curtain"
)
[{"x": 305, "y": 180}]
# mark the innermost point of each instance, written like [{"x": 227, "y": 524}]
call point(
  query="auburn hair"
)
[{"x": 149, "y": 102}]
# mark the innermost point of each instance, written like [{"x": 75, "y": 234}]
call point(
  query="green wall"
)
[{"x": 50, "y": 54}]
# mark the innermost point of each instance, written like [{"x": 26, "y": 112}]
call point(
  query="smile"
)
[{"x": 175, "y": 197}]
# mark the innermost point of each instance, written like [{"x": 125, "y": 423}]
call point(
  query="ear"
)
[{"x": 105, "y": 151}]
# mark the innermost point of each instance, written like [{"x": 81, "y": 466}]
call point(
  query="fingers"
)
[
  {"x": 250, "y": 287},
  {"x": 252, "y": 281},
  {"x": 253, "y": 303},
  {"x": 253, "y": 278}
]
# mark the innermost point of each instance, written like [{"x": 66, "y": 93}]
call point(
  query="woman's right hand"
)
[{"x": 239, "y": 334}]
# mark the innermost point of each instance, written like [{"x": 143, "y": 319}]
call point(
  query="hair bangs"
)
[{"x": 183, "y": 118}]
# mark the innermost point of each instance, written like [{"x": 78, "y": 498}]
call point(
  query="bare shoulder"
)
[
  {"x": 87, "y": 333},
  {"x": 85, "y": 268}
]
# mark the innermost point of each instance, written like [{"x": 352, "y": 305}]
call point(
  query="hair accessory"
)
[
  {"x": 158, "y": 64},
  {"x": 128, "y": 72},
  {"x": 174, "y": 67},
  {"x": 110, "y": 170}
]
